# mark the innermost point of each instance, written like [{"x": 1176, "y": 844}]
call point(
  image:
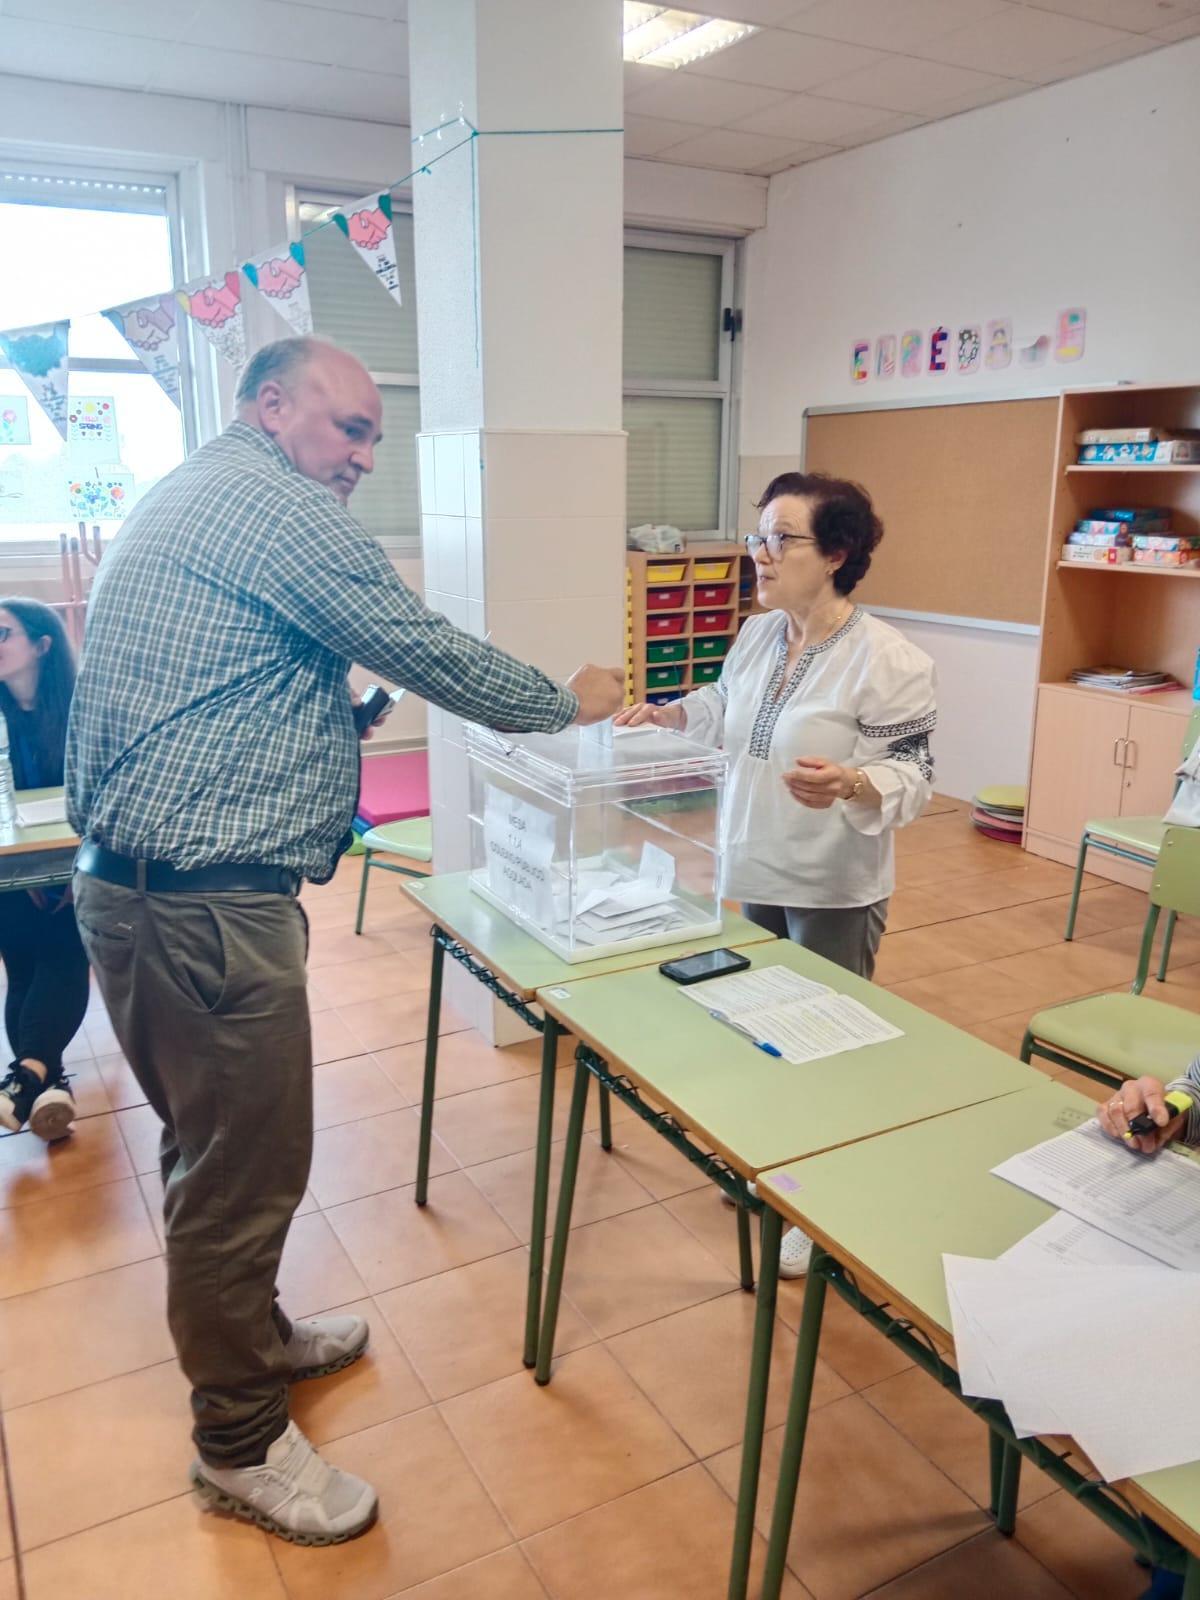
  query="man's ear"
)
[{"x": 271, "y": 403}]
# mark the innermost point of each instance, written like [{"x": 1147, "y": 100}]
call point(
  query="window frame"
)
[
  {"x": 720, "y": 388},
  {"x": 400, "y": 546},
  {"x": 100, "y": 366}
]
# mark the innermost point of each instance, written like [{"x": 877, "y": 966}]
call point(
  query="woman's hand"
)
[
  {"x": 671, "y": 716},
  {"x": 1134, "y": 1099},
  {"x": 817, "y": 783}
]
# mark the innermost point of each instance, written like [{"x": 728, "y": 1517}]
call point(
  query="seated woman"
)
[
  {"x": 826, "y": 714},
  {"x": 44, "y": 961}
]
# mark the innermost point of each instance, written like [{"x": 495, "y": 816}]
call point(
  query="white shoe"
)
[
  {"x": 795, "y": 1253},
  {"x": 53, "y": 1112},
  {"x": 320, "y": 1345},
  {"x": 295, "y": 1493}
]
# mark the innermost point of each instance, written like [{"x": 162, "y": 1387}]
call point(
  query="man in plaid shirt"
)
[{"x": 212, "y": 765}]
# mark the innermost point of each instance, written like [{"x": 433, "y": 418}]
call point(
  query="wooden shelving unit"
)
[
  {"x": 1096, "y": 753},
  {"x": 684, "y": 612}
]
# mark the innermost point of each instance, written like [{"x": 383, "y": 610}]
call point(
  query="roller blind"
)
[
  {"x": 386, "y": 502},
  {"x": 672, "y": 315},
  {"x": 354, "y": 310},
  {"x": 673, "y": 461}
]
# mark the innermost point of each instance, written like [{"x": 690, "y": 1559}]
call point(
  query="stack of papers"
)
[
  {"x": 802, "y": 1020},
  {"x": 610, "y": 906},
  {"x": 1128, "y": 680},
  {"x": 34, "y": 813}
]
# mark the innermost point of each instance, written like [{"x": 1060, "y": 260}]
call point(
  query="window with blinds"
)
[{"x": 677, "y": 381}]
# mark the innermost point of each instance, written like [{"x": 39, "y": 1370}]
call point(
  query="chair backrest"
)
[
  {"x": 1193, "y": 731},
  {"x": 1175, "y": 881}
]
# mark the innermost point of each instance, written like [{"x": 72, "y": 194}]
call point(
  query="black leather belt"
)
[{"x": 160, "y": 877}]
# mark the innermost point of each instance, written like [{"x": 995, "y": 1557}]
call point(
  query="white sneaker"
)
[
  {"x": 295, "y": 1493},
  {"x": 53, "y": 1112},
  {"x": 795, "y": 1253},
  {"x": 320, "y": 1345}
]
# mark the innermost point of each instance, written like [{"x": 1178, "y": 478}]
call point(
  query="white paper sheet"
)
[
  {"x": 1149, "y": 1202},
  {"x": 805, "y": 1021},
  {"x": 33, "y": 813},
  {"x": 743, "y": 994},
  {"x": 1066, "y": 1242}
]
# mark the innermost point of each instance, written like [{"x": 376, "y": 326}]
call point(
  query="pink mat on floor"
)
[{"x": 394, "y": 787}]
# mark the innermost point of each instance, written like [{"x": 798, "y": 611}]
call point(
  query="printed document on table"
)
[
  {"x": 1066, "y": 1242},
  {"x": 34, "y": 813},
  {"x": 744, "y": 994},
  {"x": 1150, "y": 1202},
  {"x": 805, "y": 1021}
]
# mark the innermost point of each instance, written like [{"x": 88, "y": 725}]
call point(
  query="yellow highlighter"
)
[{"x": 1176, "y": 1102}]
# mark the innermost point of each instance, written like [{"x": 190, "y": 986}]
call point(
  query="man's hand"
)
[
  {"x": 1136, "y": 1098},
  {"x": 671, "y": 716},
  {"x": 601, "y": 691},
  {"x": 369, "y": 731},
  {"x": 817, "y": 783}
]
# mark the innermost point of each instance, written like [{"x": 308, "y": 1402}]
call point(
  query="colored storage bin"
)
[
  {"x": 665, "y": 599},
  {"x": 712, "y": 594},
  {"x": 664, "y": 677},
  {"x": 660, "y": 627},
  {"x": 705, "y": 570},
  {"x": 656, "y": 654},
  {"x": 665, "y": 571},
  {"x": 710, "y": 649},
  {"x": 663, "y": 699},
  {"x": 706, "y": 671},
  {"x": 712, "y": 621}
]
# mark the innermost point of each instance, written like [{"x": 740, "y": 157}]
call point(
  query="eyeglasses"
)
[{"x": 775, "y": 543}]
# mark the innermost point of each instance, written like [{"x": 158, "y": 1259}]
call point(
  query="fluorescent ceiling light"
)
[{"x": 660, "y": 36}]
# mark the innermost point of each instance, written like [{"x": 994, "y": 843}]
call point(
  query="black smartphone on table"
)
[{"x": 709, "y": 964}]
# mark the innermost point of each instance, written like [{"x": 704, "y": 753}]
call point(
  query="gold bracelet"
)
[{"x": 860, "y": 783}]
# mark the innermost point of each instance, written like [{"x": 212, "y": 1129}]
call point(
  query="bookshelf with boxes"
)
[
  {"x": 1120, "y": 624},
  {"x": 683, "y": 613}
]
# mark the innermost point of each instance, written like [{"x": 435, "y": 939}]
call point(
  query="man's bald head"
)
[{"x": 320, "y": 406}]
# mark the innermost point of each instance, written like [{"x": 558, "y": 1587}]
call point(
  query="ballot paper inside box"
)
[{"x": 598, "y": 841}]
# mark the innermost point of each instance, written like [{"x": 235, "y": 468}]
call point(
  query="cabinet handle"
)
[
  {"x": 1117, "y": 743},
  {"x": 1130, "y": 766}
]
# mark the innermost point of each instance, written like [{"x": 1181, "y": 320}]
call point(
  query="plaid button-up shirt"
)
[{"x": 211, "y": 719}]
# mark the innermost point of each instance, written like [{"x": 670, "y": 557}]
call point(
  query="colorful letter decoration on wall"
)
[
  {"x": 282, "y": 276},
  {"x": 969, "y": 349},
  {"x": 368, "y": 226},
  {"x": 215, "y": 306},
  {"x": 998, "y": 348},
  {"x": 885, "y": 356},
  {"x": 911, "y": 345},
  {"x": 150, "y": 330},
  {"x": 939, "y": 349},
  {"x": 38, "y": 356},
  {"x": 860, "y": 361}
]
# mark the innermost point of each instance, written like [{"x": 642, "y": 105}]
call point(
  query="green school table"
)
[
  {"x": 886, "y": 1262},
  {"x": 514, "y": 965},
  {"x": 735, "y": 1111},
  {"x": 38, "y": 857}
]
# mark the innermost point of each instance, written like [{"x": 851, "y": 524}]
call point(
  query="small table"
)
[
  {"x": 886, "y": 1262},
  {"x": 514, "y": 965},
  {"x": 752, "y": 1111},
  {"x": 37, "y": 857}
]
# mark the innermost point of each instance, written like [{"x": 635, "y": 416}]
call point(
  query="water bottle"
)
[{"x": 8, "y": 801}]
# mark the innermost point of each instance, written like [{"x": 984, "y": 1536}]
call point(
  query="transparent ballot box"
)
[{"x": 598, "y": 840}]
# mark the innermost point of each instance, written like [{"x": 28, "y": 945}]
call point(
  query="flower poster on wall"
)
[
  {"x": 38, "y": 356},
  {"x": 368, "y": 226},
  {"x": 92, "y": 427},
  {"x": 14, "y": 419},
  {"x": 280, "y": 274},
  {"x": 103, "y": 495},
  {"x": 968, "y": 349},
  {"x": 149, "y": 328},
  {"x": 215, "y": 306}
]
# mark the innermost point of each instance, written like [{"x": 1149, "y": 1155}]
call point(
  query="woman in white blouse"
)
[{"x": 825, "y": 713}]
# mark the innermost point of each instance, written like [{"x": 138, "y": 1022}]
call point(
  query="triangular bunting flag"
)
[
  {"x": 368, "y": 226},
  {"x": 215, "y": 306},
  {"x": 281, "y": 275},
  {"x": 39, "y": 358},
  {"x": 149, "y": 329}
]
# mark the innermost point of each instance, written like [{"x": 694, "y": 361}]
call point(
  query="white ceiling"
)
[{"x": 820, "y": 76}]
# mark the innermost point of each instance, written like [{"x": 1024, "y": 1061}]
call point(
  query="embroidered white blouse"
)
[{"x": 864, "y": 697}]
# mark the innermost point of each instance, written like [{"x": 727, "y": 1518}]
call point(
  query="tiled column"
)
[{"x": 518, "y": 256}]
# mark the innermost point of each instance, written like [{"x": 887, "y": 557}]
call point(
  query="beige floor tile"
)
[
  {"x": 371, "y": 977},
  {"x": 89, "y": 1091},
  {"x": 6, "y": 1533},
  {"x": 8, "y": 1580},
  {"x": 988, "y": 1567},
  {"x": 466, "y": 1061},
  {"x": 633, "y": 1268},
  {"x": 968, "y": 995},
  {"x": 1066, "y": 971},
  {"x": 369, "y": 1156},
  {"x": 665, "y": 1541},
  {"x": 869, "y": 1506},
  {"x": 332, "y": 1040},
  {"x": 335, "y": 946},
  {"x": 31, "y": 1170},
  {"x": 1078, "y": 1549},
  {"x": 316, "y": 1274},
  {"x": 393, "y": 1241},
  {"x": 851, "y": 1346},
  {"x": 385, "y": 1021},
  {"x": 118, "y": 1446},
  {"x": 141, "y": 1131},
  {"x": 713, "y": 1224},
  {"x": 547, "y": 1454},
  {"x": 915, "y": 908},
  {"x": 485, "y": 1124},
  {"x": 379, "y": 1386},
  {"x": 349, "y": 1090},
  {"x": 942, "y": 1428},
  {"x": 505, "y": 1576},
  {"x": 433, "y": 1516},
  {"x": 50, "y": 1340},
  {"x": 603, "y": 1187},
  {"x": 969, "y": 858},
  {"x": 120, "y": 1084},
  {"x": 1006, "y": 1033},
  {"x": 695, "y": 1366},
  {"x": 656, "y": 1165},
  {"x": 73, "y": 1236},
  {"x": 202, "y": 1557},
  {"x": 465, "y": 1328}
]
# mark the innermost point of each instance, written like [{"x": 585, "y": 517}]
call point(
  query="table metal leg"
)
[
  {"x": 605, "y": 1119},
  {"x": 541, "y": 1188},
  {"x": 995, "y": 1468},
  {"x": 562, "y": 1222},
  {"x": 1191, "y": 1579},
  {"x": 429, "y": 1085},
  {"x": 1010, "y": 1483},
  {"x": 756, "y": 1402},
  {"x": 797, "y": 1424},
  {"x": 745, "y": 1253}
]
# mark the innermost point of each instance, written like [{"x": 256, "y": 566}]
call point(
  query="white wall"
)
[{"x": 1082, "y": 194}]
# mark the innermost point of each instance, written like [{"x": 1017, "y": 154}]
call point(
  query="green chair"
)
[
  {"x": 412, "y": 839},
  {"x": 1112, "y": 1037},
  {"x": 1136, "y": 839}
]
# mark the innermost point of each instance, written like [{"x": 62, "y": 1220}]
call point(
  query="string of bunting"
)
[{"x": 214, "y": 304}]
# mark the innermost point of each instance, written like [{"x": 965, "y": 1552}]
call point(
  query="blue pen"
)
[{"x": 761, "y": 1044}]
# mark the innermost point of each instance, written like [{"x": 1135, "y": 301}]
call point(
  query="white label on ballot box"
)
[{"x": 519, "y": 840}]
